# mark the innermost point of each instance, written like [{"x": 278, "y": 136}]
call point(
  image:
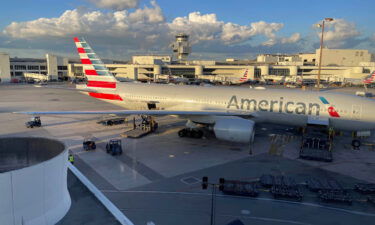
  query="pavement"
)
[
  {"x": 85, "y": 208},
  {"x": 157, "y": 179}
]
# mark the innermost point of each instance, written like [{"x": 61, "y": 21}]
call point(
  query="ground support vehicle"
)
[
  {"x": 34, "y": 122},
  {"x": 88, "y": 144},
  {"x": 114, "y": 147}
]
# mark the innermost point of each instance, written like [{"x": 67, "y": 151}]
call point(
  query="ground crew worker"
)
[{"x": 71, "y": 158}]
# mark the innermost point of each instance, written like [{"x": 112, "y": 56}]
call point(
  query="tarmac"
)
[{"x": 157, "y": 179}]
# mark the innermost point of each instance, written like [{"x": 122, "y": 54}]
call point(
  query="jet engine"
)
[{"x": 234, "y": 129}]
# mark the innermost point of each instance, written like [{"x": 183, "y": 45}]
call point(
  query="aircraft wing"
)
[{"x": 146, "y": 112}]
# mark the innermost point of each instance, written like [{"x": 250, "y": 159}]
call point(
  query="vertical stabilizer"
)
[
  {"x": 369, "y": 79},
  {"x": 97, "y": 74},
  {"x": 245, "y": 76}
]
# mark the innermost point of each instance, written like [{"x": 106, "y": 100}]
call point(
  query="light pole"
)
[
  {"x": 205, "y": 184},
  {"x": 321, "y": 48}
]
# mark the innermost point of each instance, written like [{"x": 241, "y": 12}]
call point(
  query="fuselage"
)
[{"x": 290, "y": 107}]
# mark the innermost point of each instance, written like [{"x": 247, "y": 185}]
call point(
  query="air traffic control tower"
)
[{"x": 181, "y": 47}]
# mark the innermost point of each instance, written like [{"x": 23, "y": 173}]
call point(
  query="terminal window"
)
[
  {"x": 279, "y": 72},
  {"x": 32, "y": 67},
  {"x": 20, "y": 67},
  {"x": 257, "y": 73},
  {"x": 62, "y": 67}
]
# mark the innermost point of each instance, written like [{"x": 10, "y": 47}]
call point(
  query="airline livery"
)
[
  {"x": 227, "y": 80},
  {"x": 231, "y": 112},
  {"x": 369, "y": 79}
]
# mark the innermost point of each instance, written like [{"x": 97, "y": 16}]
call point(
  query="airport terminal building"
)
[
  {"x": 338, "y": 65},
  {"x": 51, "y": 68}
]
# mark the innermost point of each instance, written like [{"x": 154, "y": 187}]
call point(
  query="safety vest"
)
[{"x": 71, "y": 158}]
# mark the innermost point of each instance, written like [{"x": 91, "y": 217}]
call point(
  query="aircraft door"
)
[
  {"x": 356, "y": 112},
  {"x": 152, "y": 106}
]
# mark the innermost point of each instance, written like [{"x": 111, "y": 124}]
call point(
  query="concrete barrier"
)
[{"x": 101, "y": 197}]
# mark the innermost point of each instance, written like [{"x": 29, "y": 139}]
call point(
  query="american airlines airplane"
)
[
  {"x": 227, "y": 80},
  {"x": 369, "y": 79},
  {"x": 231, "y": 112}
]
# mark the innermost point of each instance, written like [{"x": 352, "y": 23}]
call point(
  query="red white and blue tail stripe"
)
[
  {"x": 97, "y": 74},
  {"x": 245, "y": 78},
  {"x": 369, "y": 79}
]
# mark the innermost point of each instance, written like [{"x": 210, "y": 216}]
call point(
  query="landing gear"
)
[
  {"x": 356, "y": 144},
  {"x": 192, "y": 133},
  {"x": 251, "y": 143},
  {"x": 182, "y": 133}
]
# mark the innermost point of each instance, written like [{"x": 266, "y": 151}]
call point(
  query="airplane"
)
[
  {"x": 227, "y": 80},
  {"x": 369, "y": 79},
  {"x": 177, "y": 80},
  {"x": 170, "y": 79},
  {"x": 231, "y": 112}
]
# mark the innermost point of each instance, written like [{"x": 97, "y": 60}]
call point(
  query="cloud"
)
[
  {"x": 93, "y": 23},
  {"x": 115, "y": 4},
  {"x": 292, "y": 39},
  {"x": 233, "y": 33},
  {"x": 340, "y": 33},
  {"x": 121, "y": 32},
  {"x": 208, "y": 28},
  {"x": 200, "y": 27}
]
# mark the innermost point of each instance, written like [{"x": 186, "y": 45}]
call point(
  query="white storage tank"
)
[{"x": 33, "y": 181}]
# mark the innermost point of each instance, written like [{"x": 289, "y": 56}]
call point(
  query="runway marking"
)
[
  {"x": 190, "y": 180},
  {"x": 267, "y": 219},
  {"x": 262, "y": 199}
]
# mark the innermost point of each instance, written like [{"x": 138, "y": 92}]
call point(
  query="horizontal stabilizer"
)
[{"x": 81, "y": 88}]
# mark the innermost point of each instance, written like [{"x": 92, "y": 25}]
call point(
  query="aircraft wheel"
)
[
  {"x": 356, "y": 144},
  {"x": 197, "y": 134},
  {"x": 182, "y": 133}
]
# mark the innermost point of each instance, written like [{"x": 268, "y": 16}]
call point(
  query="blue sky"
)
[
  {"x": 297, "y": 14},
  {"x": 354, "y": 28}
]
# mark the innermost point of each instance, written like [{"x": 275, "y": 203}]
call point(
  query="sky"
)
[{"x": 118, "y": 29}]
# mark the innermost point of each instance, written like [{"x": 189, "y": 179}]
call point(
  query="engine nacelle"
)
[{"x": 234, "y": 129}]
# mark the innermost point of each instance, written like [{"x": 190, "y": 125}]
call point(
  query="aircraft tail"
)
[
  {"x": 245, "y": 76},
  {"x": 369, "y": 79},
  {"x": 97, "y": 74}
]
